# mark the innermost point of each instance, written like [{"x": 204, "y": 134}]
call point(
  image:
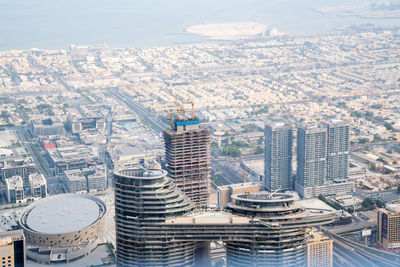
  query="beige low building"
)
[
  {"x": 319, "y": 249},
  {"x": 62, "y": 228},
  {"x": 12, "y": 249}
]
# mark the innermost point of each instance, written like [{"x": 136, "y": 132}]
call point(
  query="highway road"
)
[
  {"x": 253, "y": 157},
  {"x": 53, "y": 183},
  {"x": 157, "y": 123},
  {"x": 227, "y": 175},
  {"x": 24, "y": 136},
  {"x": 360, "y": 255}
]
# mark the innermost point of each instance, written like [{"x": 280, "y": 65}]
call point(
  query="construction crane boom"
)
[{"x": 192, "y": 101}]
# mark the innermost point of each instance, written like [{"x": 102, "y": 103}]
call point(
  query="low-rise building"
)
[
  {"x": 96, "y": 178},
  {"x": 336, "y": 187},
  {"x": 11, "y": 165},
  {"x": 86, "y": 180},
  {"x": 50, "y": 126},
  {"x": 14, "y": 189},
  {"x": 71, "y": 158},
  {"x": 79, "y": 124},
  {"x": 12, "y": 248},
  {"x": 38, "y": 185},
  {"x": 76, "y": 182},
  {"x": 348, "y": 201}
]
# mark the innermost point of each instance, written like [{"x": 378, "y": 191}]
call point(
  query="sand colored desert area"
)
[{"x": 228, "y": 31}]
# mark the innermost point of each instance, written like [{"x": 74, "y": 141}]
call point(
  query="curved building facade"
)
[
  {"x": 283, "y": 244},
  {"x": 63, "y": 228},
  {"x": 145, "y": 197},
  {"x": 156, "y": 225}
]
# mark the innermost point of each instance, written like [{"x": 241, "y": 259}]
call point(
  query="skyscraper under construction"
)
[{"x": 187, "y": 153}]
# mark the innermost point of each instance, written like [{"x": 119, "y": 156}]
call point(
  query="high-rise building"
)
[
  {"x": 144, "y": 197},
  {"x": 389, "y": 226},
  {"x": 311, "y": 156},
  {"x": 156, "y": 225},
  {"x": 278, "y": 156},
  {"x": 338, "y": 146},
  {"x": 322, "y": 154},
  {"x": 188, "y": 158},
  {"x": 12, "y": 249},
  {"x": 319, "y": 249}
]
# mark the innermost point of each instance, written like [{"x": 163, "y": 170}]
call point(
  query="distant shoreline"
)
[{"x": 228, "y": 31}]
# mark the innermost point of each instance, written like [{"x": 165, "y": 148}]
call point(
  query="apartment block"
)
[
  {"x": 338, "y": 147},
  {"x": 38, "y": 185},
  {"x": 14, "y": 189},
  {"x": 311, "y": 156},
  {"x": 278, "y": 156}
]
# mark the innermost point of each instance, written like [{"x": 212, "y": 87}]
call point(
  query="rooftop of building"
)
[
  {"x": 313, "y": 235},
  {"x": 315, "y": 204},
  {"x": 209, "y": 217},
  {"x": 141, "y": 173},
  {"x": 71, "y": 152},
  {"x": 265, "y": 197},
  {"x": 9, "y": 236},
  {"x": 37, "y": 179},
  {"x": 278, "y": 125},
  {"x": 14, "y": 182},
  {"x": 64, "y": 213},
  {"x": 11, "y": 157},
  {"x": 76, "y": 178},
  {"x": 46, "y": 121},
  {"x": 394, "y": 207},
  {"x": 313, "y": 128},
  {"x": 132, "y": 151},
  {"x": 100, "y": 168},
  {"x": 8, "y": 138}
]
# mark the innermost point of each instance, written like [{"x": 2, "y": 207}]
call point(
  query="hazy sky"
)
[{"x": 57, "y": 23}]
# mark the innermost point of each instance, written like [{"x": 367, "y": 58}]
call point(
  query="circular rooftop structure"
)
[
  {"x": 265, "y": 204},
  {"x": 70, "y": 222},
  {"x": 63, "y": 215}
]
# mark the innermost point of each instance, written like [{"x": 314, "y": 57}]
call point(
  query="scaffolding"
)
[{"x": 188, "y": 157}]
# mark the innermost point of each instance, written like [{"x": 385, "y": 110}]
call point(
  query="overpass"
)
[{"x": 362, "y": 255}]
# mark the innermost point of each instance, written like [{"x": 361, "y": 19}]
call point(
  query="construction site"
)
[{"x": 187, "y": 154}]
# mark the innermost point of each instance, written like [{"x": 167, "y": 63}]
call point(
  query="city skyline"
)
[{"x": 200, "y": 134}]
